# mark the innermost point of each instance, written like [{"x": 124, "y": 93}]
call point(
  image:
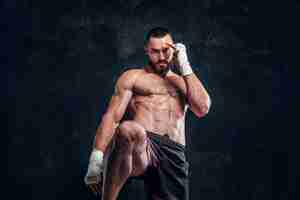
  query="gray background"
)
[{"x": 70, "y": 54}]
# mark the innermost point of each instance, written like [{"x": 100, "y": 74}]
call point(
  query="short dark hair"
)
[{"x": 157, "y": 32}]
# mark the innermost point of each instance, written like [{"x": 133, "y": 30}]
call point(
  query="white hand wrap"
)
[
  {"x": 183, "y": 62},
  {"x": 95, "y": 167}
]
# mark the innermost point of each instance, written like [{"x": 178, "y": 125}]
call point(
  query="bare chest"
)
[
  {"x": 152, "y": 85},
  {"x": 156, "y": 92}
]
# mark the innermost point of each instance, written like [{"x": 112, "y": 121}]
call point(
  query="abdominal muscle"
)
[{"x": 160, "y": 118}]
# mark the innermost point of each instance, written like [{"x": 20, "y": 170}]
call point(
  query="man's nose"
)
[{"x": 161, "y": 55}]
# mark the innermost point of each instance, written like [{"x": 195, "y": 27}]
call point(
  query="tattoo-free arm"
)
[
  {"x": 192, "y": 88},
  {"x": 197, "y": 95},
  {"x": 115, "y": 111},
  {"x": 193, "y": 91}
]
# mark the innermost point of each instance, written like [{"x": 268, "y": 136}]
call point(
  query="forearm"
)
[
  {"x": 105, "y": 131},
  {"x": 197, "y": 95},
  {"x": 104, "y": 134}
]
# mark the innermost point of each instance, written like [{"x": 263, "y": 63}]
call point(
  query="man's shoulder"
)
[
  {"x": 132, "y": 71},
  {"x": 129, "y": 76}
]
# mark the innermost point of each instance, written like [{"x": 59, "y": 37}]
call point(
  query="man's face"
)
[{"x": 160, "y": 54}]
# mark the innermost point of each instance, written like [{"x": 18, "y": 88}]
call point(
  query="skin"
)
[{"x": 156, "y": 100}]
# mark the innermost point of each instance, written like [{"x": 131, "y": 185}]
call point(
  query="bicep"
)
[
  {"x": 119, "y": 102},
  {"x": 122, "y": 95}
]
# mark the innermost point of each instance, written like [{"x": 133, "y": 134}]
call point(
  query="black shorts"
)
[{"x": 167, "y": 176}]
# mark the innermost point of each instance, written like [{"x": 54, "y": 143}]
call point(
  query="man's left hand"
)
[{"x": 181, "y": 58}]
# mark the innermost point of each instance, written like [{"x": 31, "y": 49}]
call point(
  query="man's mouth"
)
[{"x": 162, "y": 63}]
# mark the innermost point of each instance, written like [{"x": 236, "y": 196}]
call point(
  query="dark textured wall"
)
[{"x": 71, "y": 53}]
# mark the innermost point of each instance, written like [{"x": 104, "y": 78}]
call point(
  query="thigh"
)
[
  {"x": 136, "y": 136},
  {"x": 140, "y": 162},
  {"x": 140, "y": 158}
]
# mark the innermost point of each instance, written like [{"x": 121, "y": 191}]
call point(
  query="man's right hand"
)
[{"x": 94, "y": 177}]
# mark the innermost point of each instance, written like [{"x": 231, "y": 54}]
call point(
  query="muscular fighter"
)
[{"x": 142, "y": 133}]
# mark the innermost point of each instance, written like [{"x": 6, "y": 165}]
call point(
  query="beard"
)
[{"x": 160, "y": 68}]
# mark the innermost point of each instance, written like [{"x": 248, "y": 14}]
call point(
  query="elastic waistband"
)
[{"x": 166, "y": 140}]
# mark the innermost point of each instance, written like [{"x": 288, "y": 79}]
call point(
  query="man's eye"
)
[{"x": 165, "y": 50}]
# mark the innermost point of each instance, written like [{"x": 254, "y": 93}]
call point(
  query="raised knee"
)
[
  {"x": 125, "y": 127},
  {"x": 131, "y": 132}
]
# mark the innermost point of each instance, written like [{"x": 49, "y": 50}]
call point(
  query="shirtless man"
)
[{"x": 150, "y": 143}]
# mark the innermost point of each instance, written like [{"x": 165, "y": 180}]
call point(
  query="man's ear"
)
[{"x": 145, "y": 50}]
